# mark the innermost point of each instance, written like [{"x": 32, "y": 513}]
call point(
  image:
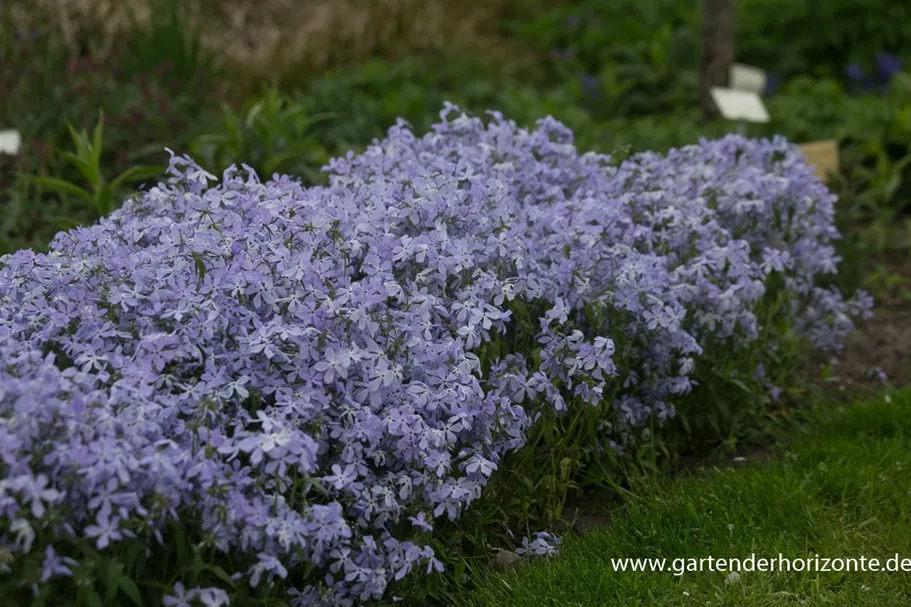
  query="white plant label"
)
[
  {"x": 747, "y": 78},
  {"x": 740, "y": 105},
  {"x": 10, "y": 142}
]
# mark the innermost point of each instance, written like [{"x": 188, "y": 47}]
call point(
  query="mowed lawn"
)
[{"x": 841, "y": 491}]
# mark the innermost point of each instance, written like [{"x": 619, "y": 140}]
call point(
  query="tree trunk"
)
[{"x": 717, "y": 50}]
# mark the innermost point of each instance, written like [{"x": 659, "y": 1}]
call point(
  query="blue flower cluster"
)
[
  {"x": 886, "y": 66},
  {"x": 306, "y": 372}
]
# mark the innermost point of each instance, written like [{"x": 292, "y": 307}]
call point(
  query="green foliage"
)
[
  {"x": 889, "y": 286},
  {"x": 627, "y": 58},
  {"x": 46, "y": 91},
  {"x": 127, "y": 574},
  {"x": 87, "y": 160},
  {"x": 874, "y": 133},
  {"x": 631, "y": 58},
  {"x": 368, "y": 99},
  {"x": 167, "y": 40},
  {"x": 809, "y": 37},
  {"x": 152, "y": 103},
  {"x": 273, "y": 135}
]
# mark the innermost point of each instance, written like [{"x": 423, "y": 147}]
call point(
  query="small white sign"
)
[
  {"x": 739, "y": 105},
  {"x": 747, "y": 78},
  {"x": 10, "y": 142}
]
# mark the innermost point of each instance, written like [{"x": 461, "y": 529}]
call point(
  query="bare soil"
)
[{"x": 883, "y": 342}]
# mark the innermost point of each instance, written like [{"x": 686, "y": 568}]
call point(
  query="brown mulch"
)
[{"x": 883, "y": 342}]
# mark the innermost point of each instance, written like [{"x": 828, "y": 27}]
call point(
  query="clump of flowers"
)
[
  {"x": 544, "y": 544},
  {"x": 885, "y": 67},
  {"x": 314, "y": 375}
]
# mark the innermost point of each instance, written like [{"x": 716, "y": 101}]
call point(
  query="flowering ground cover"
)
[
  {"x": 835, "y": 493},
  {"x": 258, "y": 392}
]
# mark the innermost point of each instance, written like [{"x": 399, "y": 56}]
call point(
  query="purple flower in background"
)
[
  {"x": 590, "y": 85},
  {"x": 875, "y": 373},
  {"x": 772, "y": 83},
  {"x": 887, "y": 65},
  {"x": 22, "y": 34},
  {"x": 573, "y": 20},
  {"x": 856, "y": 73}
]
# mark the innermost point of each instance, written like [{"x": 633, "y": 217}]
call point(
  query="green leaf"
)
[
  {"x": 273, "y": 162},
  {"x": 62, "y": 186},
  {"x": 88, "y": 170},
  {"x": 130, "y": 589},
  {"x": 322, "y": 117},
  {"x": 254, "y": 112},
  {"x": 895, "y": 179},
  {"x": 93, "y": 599},
  {"x": 97, "y": 138},
  {"x": 181, "y": 543},
  {"x": 218, "y": 572},
  {"x": 736, "y": 382},
  {"x": 200, "y": 266},
  {"x": 104, "y": 200},
  {"x": 131, "y": 556},
  {"x": 232, "y": 122},
  {"x": 77, "y": 137},
  {"x": 149, "y": 150},
  {"x": 62, "y": 222},
  {"x": 110, "y": 583},
  {"x": 137, "y": 173},
  {"x": 460, "y": 570}
]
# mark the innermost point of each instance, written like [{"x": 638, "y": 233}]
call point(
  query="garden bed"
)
[{"x": 363, "y": 383}]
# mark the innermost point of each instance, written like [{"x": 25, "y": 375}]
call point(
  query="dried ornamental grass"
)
[
  {"x": 266, "y": 37},
  {"x": 316, "y": 376}
]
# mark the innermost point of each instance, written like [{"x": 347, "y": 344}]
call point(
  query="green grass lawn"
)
[{"x": 841, "y": 491}]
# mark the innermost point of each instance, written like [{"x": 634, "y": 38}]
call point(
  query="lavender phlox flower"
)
[{"x": 301, "y": 371}]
